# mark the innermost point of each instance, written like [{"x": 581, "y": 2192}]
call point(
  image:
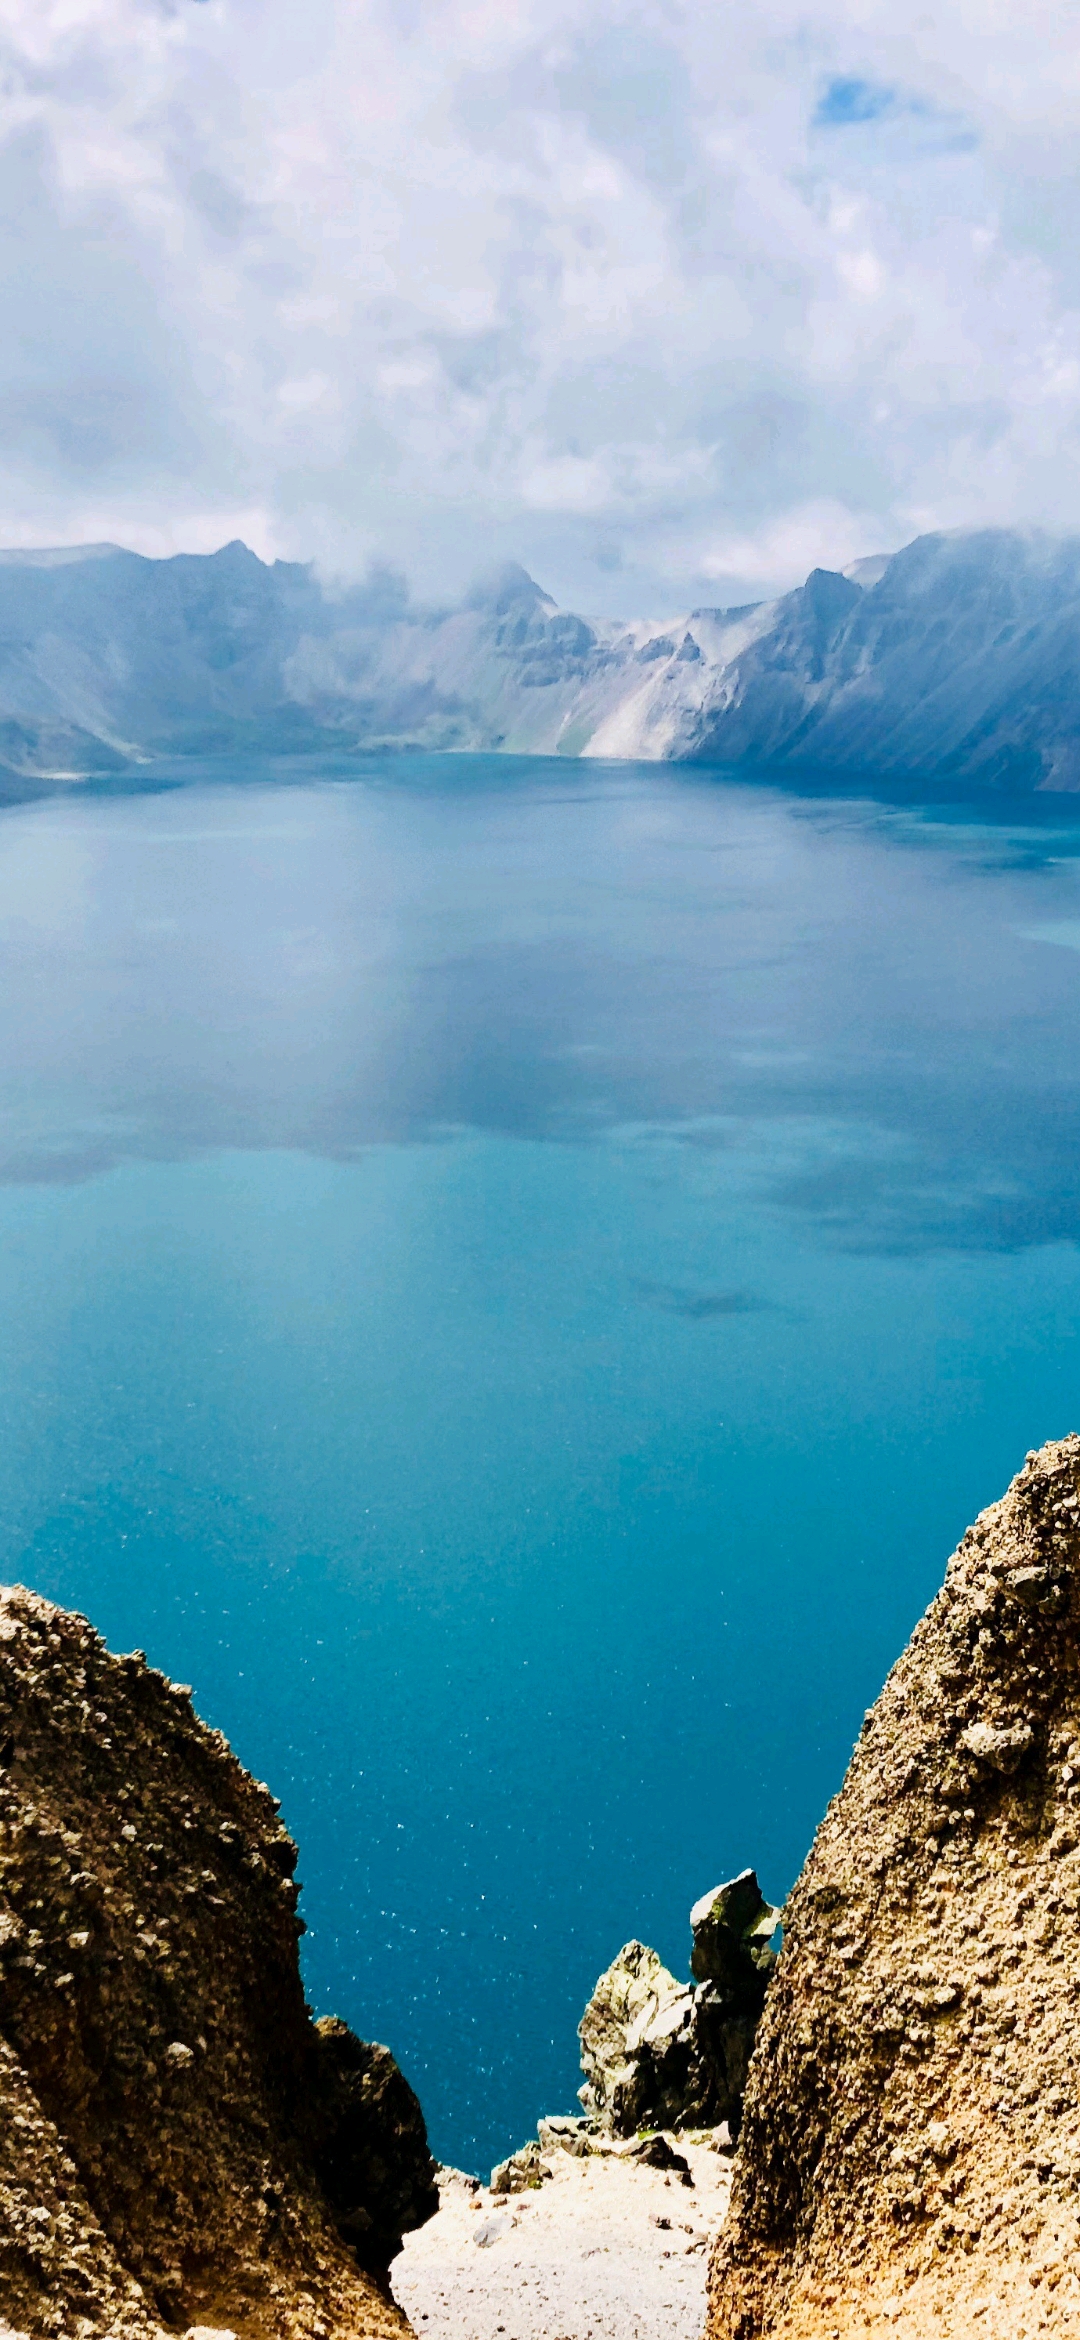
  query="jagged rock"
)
[
  {"x": 166, "y": 2103},
  {"x": 661, "y": 2054},
  {"x": 733, "y": 1962},
  {"x": 638, "y": 2052},
  {"x": 733, "y": 1927},
  {"x": 520, "y": 2173},
  {"x": 910, "y": 2154}
]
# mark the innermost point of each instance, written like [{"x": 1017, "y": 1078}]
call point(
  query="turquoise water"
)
[{"x": 512, "y": 1282}]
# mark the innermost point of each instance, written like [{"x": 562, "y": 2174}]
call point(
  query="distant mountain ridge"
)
[{"x": 953, "y": 662}]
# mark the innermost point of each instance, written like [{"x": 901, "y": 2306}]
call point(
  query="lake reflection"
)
[{"x": 886, "y": 1003}]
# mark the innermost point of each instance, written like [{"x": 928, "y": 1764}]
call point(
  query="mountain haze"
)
[{"x": 953, "y": 662}]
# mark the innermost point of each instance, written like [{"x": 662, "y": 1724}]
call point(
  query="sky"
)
[{"x": 668, "y": 302}]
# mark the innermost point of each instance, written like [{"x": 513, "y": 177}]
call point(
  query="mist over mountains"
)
[{"x": 955, "y": 662}]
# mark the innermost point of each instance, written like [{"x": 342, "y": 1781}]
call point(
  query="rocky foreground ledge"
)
[
  {"x": 908, "y": 2160},
  {"x": 181, "y": 2147},
  {"x": 910, "y": 2155},
  {"x": 183, "y": 2151}
]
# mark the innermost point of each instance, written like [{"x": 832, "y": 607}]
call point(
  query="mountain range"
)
[{"x": 954, "y": 663}]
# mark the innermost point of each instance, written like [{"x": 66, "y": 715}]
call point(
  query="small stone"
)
[
  {"x": 1003, "y": 1748},
  {"x": 656, "y": 2153},
  {"x": 491, "y": 2230}
]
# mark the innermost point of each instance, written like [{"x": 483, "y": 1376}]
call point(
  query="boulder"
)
[
  {"x": 655, "y": 2153},
  {"x": 733, "y": 1927},
  {"x": 910, "y": 2151},
  {"x": 180, "y": 2147}
]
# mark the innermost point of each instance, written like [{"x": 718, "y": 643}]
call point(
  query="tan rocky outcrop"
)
[
  {"x": 910, "y": 2154},
  {"x": 180, "y": 2147}
]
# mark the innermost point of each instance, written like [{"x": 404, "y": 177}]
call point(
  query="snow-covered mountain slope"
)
[{"x": 955, "y": 661}]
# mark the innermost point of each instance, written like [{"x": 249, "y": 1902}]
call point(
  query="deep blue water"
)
[{"x": 513, "y": 1279}]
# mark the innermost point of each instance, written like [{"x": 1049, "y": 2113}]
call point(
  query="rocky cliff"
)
[
  {"x": 954, "y": 663},
  {"x": 910, "y": 2154},
  {"x": 180, "y": 2146},
  {"x": 660, "y": 2054}
]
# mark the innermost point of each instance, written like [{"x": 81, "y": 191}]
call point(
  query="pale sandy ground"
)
[{"x": 603, "y": 2251}]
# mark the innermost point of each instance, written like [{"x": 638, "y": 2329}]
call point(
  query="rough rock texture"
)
[
  {"x": 525, "y": 2171},
  {"x": 637, "y": 2046},
  {"x": 658, "y": 2053},
  {"x": 733, "y": 1927},
  {"x": 910, "y": 2154},
  {"x": 732, "y": 1962},
  {"x": 165, "y": 2100},
  {"x": 521, "y": 2172}
]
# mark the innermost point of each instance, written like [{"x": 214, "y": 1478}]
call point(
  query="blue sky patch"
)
[{"x": 849, "y": 99}]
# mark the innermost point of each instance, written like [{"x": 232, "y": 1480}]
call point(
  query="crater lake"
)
[{"x": 514, "y": 1277}]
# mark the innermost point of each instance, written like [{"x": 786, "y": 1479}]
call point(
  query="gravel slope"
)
[{"x": 604, "y": 2250}]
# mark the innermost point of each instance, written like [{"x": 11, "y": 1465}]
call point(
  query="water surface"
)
[{"x": 513, "y": 1279}]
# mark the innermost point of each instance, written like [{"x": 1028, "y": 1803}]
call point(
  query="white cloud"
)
[
  {"x": 649, "y": 296},
  {"x": 822, "y": 535}
]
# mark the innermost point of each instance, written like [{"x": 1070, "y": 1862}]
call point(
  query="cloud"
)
[
  {"x": 817, "y": 535},
  {"x": 645, "y": 297}
]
